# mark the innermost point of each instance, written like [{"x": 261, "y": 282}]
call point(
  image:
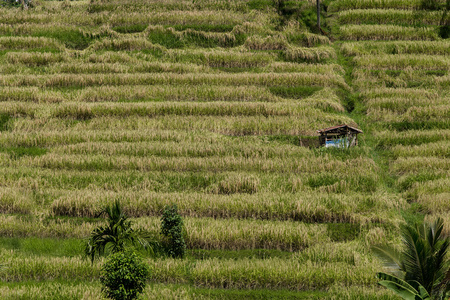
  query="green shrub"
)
[
  {"x": 133, "y": 28},
  {"x": 123, "y": 276},
  {"x": 296, "y": 92},
  {"x": 172, "y": 230},
  {"x": 430, "y": 5},
  {"x": 4, "y": 121}
]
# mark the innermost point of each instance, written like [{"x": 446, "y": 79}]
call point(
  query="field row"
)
[
  {"x": 429, "y": 113},
  {"x": 363, "y": 167},
  {"x": 239, "y": 196},
  {"x": 340, "y": 5},
  {"x": 216, "y": 58},
  {"x": 274, "y": 273},
  {"x": 407, "y": 78},
  {"x": 362, "y": 179},
  {"x": 201, "y": 233},
  {"x": 431, "y": 195},
  {"x": 33, "y": 133},
  {"x": 281, "y": 45},
  {"x": 184, "y": 5},
  {"x": 403, "y": 104},
  {"x": 387, "y": 32},
  {"x": 402, "y": 62},
  {"x": 240, "y": 79},
  {"x": 441, "y": 47},
  {"x": 28, "y": 43},
  {"x": 156, "y": 39},
  {"x": 88, "y": 290},
  {"x": 219, "y": 147},
  {"x": 390, "y": 16},
  {"x": 87, "y": 111},
  {"x": 37, "y": 290},
  {"x": 190, "y": 164},
  {"x": 402, "y": 93},
  {"x": 173, "y": 17},
  {"x": 228, "y": 125},
  {"x": 36, "y": 63},
  {"x": 314, "y": 96}
]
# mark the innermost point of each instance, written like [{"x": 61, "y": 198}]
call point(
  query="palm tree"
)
[
  {"x": 116, "y": 235},
  {"x": 422, "y": 264}
]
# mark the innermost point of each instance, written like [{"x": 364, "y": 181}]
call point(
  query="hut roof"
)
[{"x": 340, "y": 128}]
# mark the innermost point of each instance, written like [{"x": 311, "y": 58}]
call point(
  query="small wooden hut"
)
[{"x": 341, "y": 136}]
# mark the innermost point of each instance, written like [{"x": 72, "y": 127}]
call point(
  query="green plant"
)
[
  {"x": 430, "y": 5},
  {"x": 402, "y": 288},
  {"x": 116, "y": 234},
  {"x": 172, "y": 230},
  {"x": 4, "y": 121},
  {"x": 9, "y": 3},
  {"x": 422, "y": 262},
  {"x": 123, "y": 276}
]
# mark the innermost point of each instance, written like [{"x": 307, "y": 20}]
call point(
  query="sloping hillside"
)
[
  {"x": 403, "y": 85},
  {"x": 203, "y": 104}
]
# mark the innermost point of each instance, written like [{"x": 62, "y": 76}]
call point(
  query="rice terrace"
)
[{"x": 208, "y": 113}]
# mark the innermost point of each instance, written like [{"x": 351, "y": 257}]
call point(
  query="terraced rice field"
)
[
  {"x": 404, "y": 90},
  {"x": 205, "y": 104}
]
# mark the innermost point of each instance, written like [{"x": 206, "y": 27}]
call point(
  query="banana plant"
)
[
  {"x": 402, "y": 288},
  {"x": 422, "y": 267}
]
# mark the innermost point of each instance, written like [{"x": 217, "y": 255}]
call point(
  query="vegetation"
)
[
  {"x": 115, "y": 236},
  {"x": 123, "y": 276},
  {"x": 172, "y": 229},
  {"x": 202, "y": 104},
  {"x": 422, "y": 262}
]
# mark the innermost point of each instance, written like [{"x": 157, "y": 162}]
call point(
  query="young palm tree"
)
[
  {"x": 422, "y": 264},
  {"x": 116, "y": 235}
]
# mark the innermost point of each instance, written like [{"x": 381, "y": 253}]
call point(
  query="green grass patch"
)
[
  {"x": 282, "y": 139},
  {"x": 130, "y": 28},
  {"x": 140, "y": 100},
  {"x": 322, "y": 180},
  {"x": 407, "y": 182},
  {"x": 257, "y": 294},
  {"x": 340, "y": 232},
  {"x": 166, "y": 39},
  {"x": 297, "y": 92},
  {"x": 438, "y": 73},
  {"x": 343, "y": 153},
  {"x": 199, "y": 39},
  {"x": 74, "y": 39},
  {"x": 18, "y": 152},
  {"x": 419, "y": 125},
  {"x": 5, "y": 123},
  {"x": 344, "y": 183},
  {"x": 43, "y": 246},
  {"x": 229, "y": 254},
  {"x": 239, "y": 69},
  {"x": 204, "y": 27},
  {"x": 260, "y": 4}
]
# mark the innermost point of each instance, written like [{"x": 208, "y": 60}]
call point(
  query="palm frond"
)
[
  {"x": 423, "y": 258},
  {"x": 390, "y": 256},
  {"x": 116, "y": 235}
]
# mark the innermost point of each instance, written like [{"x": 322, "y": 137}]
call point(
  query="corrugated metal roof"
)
[{"x": 339, "y": 126}]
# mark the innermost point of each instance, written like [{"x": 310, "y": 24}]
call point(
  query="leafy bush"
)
[
  {"x": 9, "y": 3},
  {"x": 17, "y": 3},
  {"x": 4, "y": 120},
  {"x": 172, "y": 230},
  {"x": 430, "y": 5},
  {"x": 422, "y": 264},
  {"x": 123, "y": 276}
]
